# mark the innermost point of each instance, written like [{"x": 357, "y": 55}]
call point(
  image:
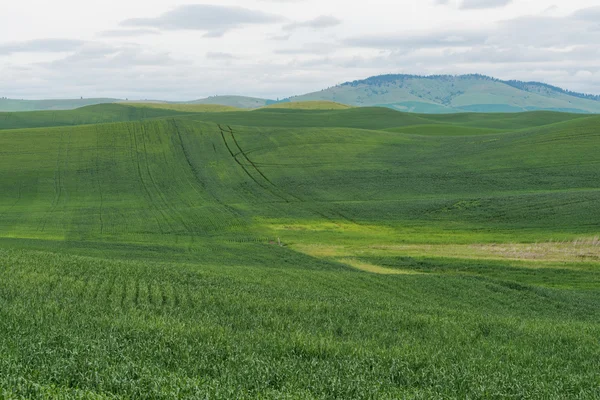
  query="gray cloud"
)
[
  {"x": 559, "y": 50},
  {"x": 539, "y": 33},
  {"x": 40, "y": 46},
  {"x": 128, "y": 32},
  {"x": 589, "y": 14},
  {"x": 321, "y": 22},
  {"x": 212, "y": 19},
  {"x": 453, "y": 38},
  {"x": 281, "y": 37},
  {"x": 311, "y": 49},
  {"x": 99, "y": 56},
  {"x": 479, "y": 4},
  {"x": 216, "y": 55}
]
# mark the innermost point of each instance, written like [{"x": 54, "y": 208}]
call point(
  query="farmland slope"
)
[{"x": 359, "y": 253}]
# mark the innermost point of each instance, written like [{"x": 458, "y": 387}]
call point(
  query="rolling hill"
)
[
  {"x": 289, "y": 253},
  {"x": 448, "y": 94},
  {"x": 234, "y": 101},
  {"x": 310, "y": 105},
  {"x": 10, "y": 105},
  {"x": 438, "y": 94}
]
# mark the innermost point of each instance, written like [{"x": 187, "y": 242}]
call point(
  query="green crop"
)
[{"x": 286, "y": 253}]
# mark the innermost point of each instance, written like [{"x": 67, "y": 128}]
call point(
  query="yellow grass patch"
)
[
  {"x": 320, "y": 226},
  {"x": 581, "y": 250},
  {"x": 375, "y": 269},
  {"x": 311, "y": 105}
]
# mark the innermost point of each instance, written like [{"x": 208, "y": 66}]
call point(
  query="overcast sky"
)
[{"x": 183, "y": 50}]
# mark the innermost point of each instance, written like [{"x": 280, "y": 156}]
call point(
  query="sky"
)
[{"x": 191, "y": 49}]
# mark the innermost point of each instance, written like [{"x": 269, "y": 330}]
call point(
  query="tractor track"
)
[
  {"x": 265, "y": 187},
  {"x": 98, "y": 180},
  {"x": 199, "y": 181},
  {"x": 270, "y": 183},
  {"x": 144, "y": 186}
]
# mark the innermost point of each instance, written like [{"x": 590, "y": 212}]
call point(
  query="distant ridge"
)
[
  {"x": 234, "y": 101},
  {"x": 529, "y": 86},
  {"x": 12, "y": 105},
  {"x": 309, "y": 105},
  {"x": 455, "y": 93},
  {"x": 431, "y": 94}
]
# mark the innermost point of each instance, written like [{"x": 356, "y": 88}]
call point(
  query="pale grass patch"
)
[
  {"x": 583, "y": 249},
  {"x": 339, "y": 226},
  {"x": 375, "y": 269},
  {"x": 318, "y": 250},
  {"x": 573, "y": 251}
]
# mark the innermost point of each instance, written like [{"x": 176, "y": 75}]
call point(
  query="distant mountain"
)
[
  {"x": 449, "y": 93},
  {"x": 433, "y": 94},
  {"x": 13, "y": 105},
  {"x": 234, "y": 101}
]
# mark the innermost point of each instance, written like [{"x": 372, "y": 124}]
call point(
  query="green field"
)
[
  {"x": 286, "y": 253},
  {"x": 310, "y": 105}
]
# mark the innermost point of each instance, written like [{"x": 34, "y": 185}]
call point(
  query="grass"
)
[
  {"x": 310, "y": 105},
  {"x": 14, "y": 105},
  {"x": 235, "y": 101},
  {"x": 298, "y": 254},
  {"x": 89, "y": 115},
  {"x": 186, "y": 107}
]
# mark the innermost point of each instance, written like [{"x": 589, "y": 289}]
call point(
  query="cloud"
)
[
  {"x": 220, "y": 56},
  {"x": 280, "y": 37},
  {"x": 449, "y": 38},
  {"x": 311, "y": 49},
  {"x": 128, "y": 32},
  {"x": 550, "y": 47},
  {"x": 561, "y": 50},
  {"x": 321, "y": 22},
  {"x": 99, "y": 56},
  {"x": 213, "y": 19},
  {"x": 589, "y": 14},
  {"x": 536, "y": 33},
  {"x": 40, "y": 46},
  {"x": 481, "y": 4}
]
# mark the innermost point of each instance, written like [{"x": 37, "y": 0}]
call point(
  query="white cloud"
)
[
  {"x": 480, "y": 4},
  {"x": 215, "y": 20},
  {"x": 322, "y": 22},
  {"x": 40, "y": 46},
  {"x": 176, "y": 49}
]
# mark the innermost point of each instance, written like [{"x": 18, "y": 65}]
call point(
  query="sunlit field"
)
[{"x": 187, "y": 251}]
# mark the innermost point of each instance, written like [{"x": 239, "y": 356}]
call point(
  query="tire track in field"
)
[
  {"x": 265, "y": 187},
  {"x": 232, "y": 211},
  {"x": 243, "y": 153},
  {"x": 194, "y": 183},
  {"x": 144, "y": 186},
  {"x": 10, "y": 208},
  {"x": 160, "y": 193},
  {"x": 318, "y": 212},
  {"x": 58, "y": 179},
  {"x": 136, "y": 293},
  {"x": 110, "y": 290},
  {"x": 99, "y": 184}
]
